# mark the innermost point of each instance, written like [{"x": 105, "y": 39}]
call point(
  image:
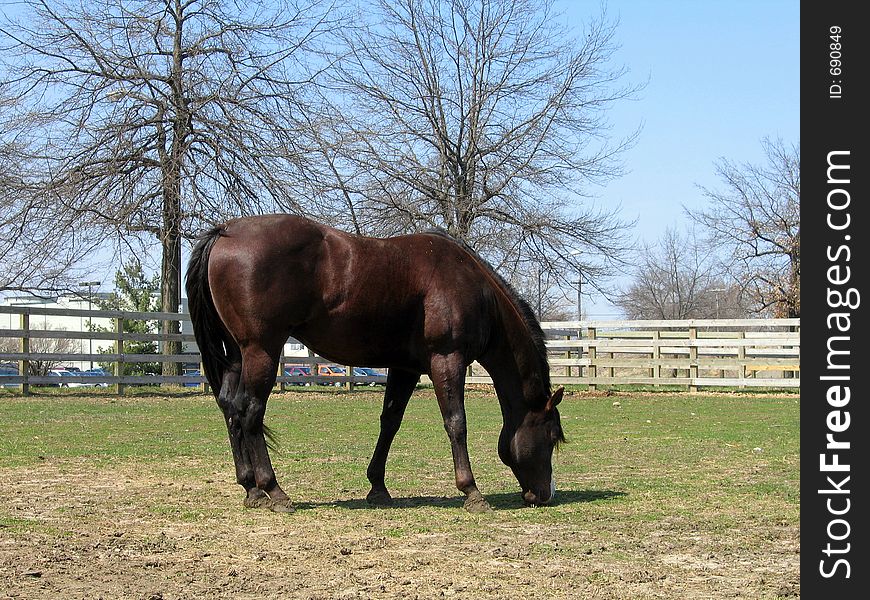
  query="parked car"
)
[
  {"x": 369, "y": 372},
  {"x": 62, "y": 374},
  {"x": 66, "y": 375},
  {"x": 98, "y": 372},
  {"x": 298, "y": 371},
  {"x": 327, "y": 371},
  {"x": 8, "y": 370},
  {"x": 192, "y": 373}
]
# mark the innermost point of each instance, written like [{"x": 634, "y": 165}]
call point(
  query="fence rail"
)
[{"x": 692, "y": 353}]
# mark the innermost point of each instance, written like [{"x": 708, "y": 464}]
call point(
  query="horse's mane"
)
[{"x": 522, "y": 306}]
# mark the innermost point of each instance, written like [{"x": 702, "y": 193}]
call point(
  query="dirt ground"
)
[{"x": 81, "y": 530}]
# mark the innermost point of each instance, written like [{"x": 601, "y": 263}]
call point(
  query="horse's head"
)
[{"x": 528, "y": 450}]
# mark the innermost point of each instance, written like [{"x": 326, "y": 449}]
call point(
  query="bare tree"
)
[
  {"x": 678, "y": 278},
  {"x": 545, "y": 294},
  {"x": 757, "y": 219},
  {"x": 38, "y": 246},
  {"x": 481, "y": 117},
  {"x": 148, "y": 117},
  {"x": 40, "y": 345}
]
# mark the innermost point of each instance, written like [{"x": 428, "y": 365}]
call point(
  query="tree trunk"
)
[
  {"x": 170, "y": 290},
  {"x": 170, "y": 274}
]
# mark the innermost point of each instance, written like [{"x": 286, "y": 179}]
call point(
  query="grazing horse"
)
[{"x": 416, "y": 304}]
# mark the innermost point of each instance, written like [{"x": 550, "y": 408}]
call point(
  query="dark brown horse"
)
[{"x": 416, "y": 304}]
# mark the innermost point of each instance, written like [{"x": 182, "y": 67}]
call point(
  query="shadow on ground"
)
[{"x": 502, "y": 501}]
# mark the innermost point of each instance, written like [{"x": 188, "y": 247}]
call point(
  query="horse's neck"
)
[{"x": 514, "y": 366}]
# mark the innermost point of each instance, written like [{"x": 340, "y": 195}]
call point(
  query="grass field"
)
[{"x": 661, "y": 495}]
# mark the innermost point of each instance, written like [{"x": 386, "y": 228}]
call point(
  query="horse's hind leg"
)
[
  {"x": 400, "y": 386},
  {"x": 229, "y": 401},
  {"x": 244, "y": 411}
]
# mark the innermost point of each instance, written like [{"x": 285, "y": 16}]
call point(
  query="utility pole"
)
[
  {"x": 717, "y": 291},
  {"x": 90, "y": 285},
  {"x": 577, "y": 252},
  {"x": 579, "y": 295}
]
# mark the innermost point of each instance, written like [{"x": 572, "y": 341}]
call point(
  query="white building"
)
[
  {"x": 59, "y": 323},
  {"x": 83, "y": 324}
]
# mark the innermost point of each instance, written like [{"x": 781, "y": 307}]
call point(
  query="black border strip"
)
[{"x": 834, "y": 116}]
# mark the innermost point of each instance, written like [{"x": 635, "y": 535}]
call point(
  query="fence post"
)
[
  {"x": 693, "y": 359},
  {"x": 568, "y": 354},
  {"x": 610, "y": 357},
  {"x": 797, "y": 330},
  {"x": 349, "y": 383},
  {"x": 656, "y": 356},
  {"x": 119, "y": 350},
  {"x": 741, "y": 357},
  {"x": 791, "y": 374},
  {"x": 24, "y": 363},
  {"x": 281, "y": 386},
  {"x": 203, "y": 387},
  {"x": 593, "y": 368}
]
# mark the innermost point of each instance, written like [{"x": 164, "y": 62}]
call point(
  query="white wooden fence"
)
[
  {"x": 691, "y": 353},
  {"x": 687, "y": 353}
]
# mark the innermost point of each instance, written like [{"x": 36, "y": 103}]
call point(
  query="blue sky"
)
[{"x": 722, "y": 76}]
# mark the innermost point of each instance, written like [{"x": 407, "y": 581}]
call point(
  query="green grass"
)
[
  {"x": 642, "y": 484},
  {"x": 659, "y": 449}
]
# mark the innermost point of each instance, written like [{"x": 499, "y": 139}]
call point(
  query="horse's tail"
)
[{"x": 211, "y": 336}]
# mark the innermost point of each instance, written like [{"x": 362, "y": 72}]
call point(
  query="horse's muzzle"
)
[{"x": 533, "y": 499}]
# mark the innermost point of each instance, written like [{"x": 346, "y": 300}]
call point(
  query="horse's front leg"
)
[
  {"x": 448, "y": 377},
  {"x": 400, "y": 386}
]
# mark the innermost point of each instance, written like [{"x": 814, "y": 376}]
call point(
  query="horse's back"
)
[{"x": 353, "y": 299}]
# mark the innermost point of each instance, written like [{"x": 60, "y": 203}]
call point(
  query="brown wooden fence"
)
[{"x": 689, "y": 353}]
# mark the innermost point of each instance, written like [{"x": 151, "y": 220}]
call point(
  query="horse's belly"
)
[{"x": 354, "y": 344}]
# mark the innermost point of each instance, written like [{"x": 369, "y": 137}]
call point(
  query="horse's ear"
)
[{"x": 556, "y": 398}]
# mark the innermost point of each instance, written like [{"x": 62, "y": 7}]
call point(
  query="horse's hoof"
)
[
  {"x": 379, "y": 498},
  {"x": 283, "y": 505},
  {"x": 476, "y": 503},
  {"x": 257, "y": 498}
]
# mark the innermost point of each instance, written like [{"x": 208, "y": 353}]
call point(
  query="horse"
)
[{"x": 415, "y": 304}]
